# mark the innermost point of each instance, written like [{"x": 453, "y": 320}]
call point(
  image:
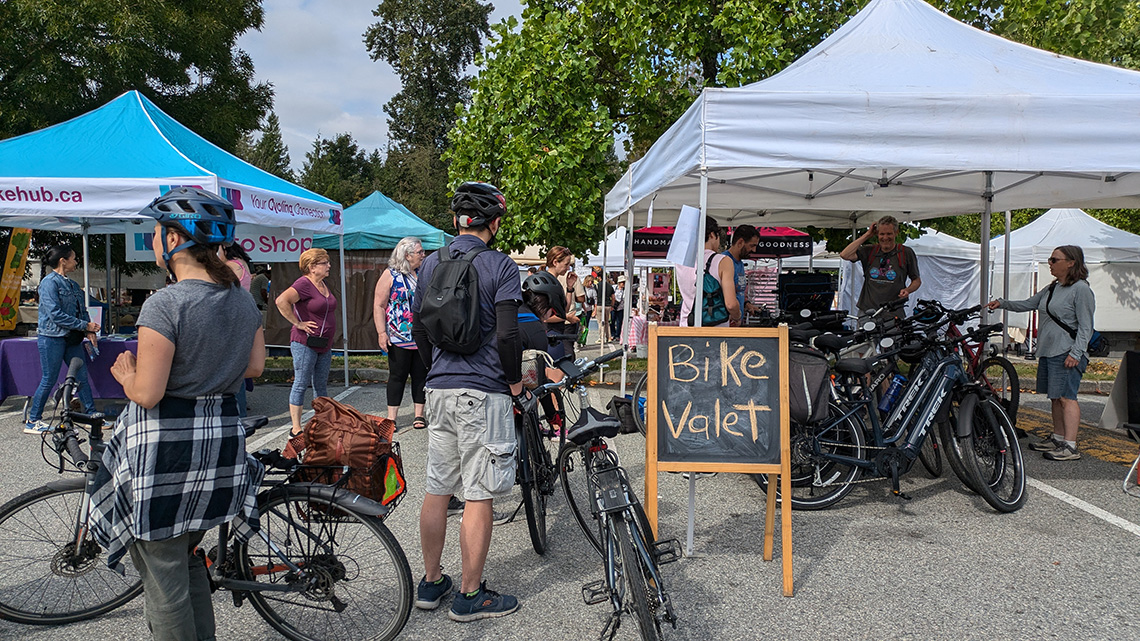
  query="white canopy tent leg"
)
[
  {"x": 1005, "y": 283},
  {"x": 984, "y": 245},
  {"x": 86, "y": 269},
  {"x": 344, "y": 311},
  {"x": 107, "y": 274},
  {"x": 601, "y": 305},
  {"x": 698, "y": 306},
  {"x": 627, "y": 301}
]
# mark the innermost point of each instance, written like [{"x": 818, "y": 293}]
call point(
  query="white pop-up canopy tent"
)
[
  {"x": 902, "y": 110},
  {"x": 611, "y": 254},
  {"x": 1112, "y": 256}
]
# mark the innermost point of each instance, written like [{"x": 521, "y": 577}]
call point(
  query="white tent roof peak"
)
[
  {"x": 1101, "y": 242},
  {"x": 902, "y": 110}
]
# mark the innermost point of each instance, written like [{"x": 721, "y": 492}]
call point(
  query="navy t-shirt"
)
[{"x": 498, "y": 281}]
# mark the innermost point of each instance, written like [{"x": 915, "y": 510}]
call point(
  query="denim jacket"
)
[{"x": 61, "y": 306}]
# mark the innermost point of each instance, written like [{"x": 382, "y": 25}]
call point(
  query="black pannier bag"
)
[{"x": 808, "y": 374}]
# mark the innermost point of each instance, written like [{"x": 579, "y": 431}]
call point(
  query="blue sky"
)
[{"x": 312, "y": 51}]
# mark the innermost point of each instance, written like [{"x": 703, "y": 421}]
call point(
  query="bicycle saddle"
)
[
  {"x": 832, "y": 342},
  {"x": 253, "y": 423},
  {"x": 592, "y": 424},
  {"x": 853, "y": 366}
]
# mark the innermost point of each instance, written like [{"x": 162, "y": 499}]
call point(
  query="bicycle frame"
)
[{"x": 613, "y": 494}]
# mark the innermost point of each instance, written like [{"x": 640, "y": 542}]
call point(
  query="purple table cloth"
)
[{"x": 20, "y": 367}]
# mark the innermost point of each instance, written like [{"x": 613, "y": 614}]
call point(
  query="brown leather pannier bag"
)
[{"x": 340, "y": 435}]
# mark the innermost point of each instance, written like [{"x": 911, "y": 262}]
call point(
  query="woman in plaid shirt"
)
[{"x": 176, "y": 465}]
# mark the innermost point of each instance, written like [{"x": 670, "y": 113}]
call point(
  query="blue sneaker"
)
[
  {"x": 486, "y": 604},
  {"x": 428, "y": 595},
  {"x": 37, "y": 427}
]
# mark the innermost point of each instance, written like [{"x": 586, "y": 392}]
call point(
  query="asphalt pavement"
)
[{"x": 942, "y": 565}]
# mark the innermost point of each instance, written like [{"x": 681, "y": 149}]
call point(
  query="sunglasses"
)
[{"x": 1054, "y": 259}]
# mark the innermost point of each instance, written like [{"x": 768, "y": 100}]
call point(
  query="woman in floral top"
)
[{"x": 392, "y": 312}]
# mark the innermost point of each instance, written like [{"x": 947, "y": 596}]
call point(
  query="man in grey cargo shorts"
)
[{"x": 471, "y": 434}]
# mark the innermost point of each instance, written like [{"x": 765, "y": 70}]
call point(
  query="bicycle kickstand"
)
[
  {"x": 612, "y": 625},
  {"x": 895, "y": 489}
]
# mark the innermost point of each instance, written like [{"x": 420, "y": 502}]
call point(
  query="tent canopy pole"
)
[{"x": 344, "y": 310}]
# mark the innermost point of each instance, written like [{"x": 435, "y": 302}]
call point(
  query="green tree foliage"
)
[
  {"x": 61, "y": 58},
  {"x": 339, "y": 169},
  {"x": 558, "y": 90},
  {"x": 429, "y": 43},
  {"x": 269, "y": 152},
  {"x": 417, "y": 179}
]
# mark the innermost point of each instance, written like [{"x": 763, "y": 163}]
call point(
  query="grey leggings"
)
[{"x": 177, "y": 591}]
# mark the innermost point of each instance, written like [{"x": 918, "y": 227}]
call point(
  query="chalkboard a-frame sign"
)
[{"x": 718, "y": 402}]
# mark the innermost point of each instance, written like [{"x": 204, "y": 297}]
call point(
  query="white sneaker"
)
[{"x": 37, "y": 427}]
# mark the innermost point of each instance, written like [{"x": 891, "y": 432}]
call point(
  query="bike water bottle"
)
[{"x": 893, "y": 393}]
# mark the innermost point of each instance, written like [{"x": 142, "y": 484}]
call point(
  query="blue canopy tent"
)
[
  {"x": 93, "y": 173},
  {"x": 378, "y": 222}
]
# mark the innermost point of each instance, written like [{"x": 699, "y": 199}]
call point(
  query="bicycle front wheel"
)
[
  {"x": 540, "y": 478},
  {"x": 578, "y": 490},
  {"x": 45, "y": 579},
  {"x": 640, "y": 401},
  {"x": 999, "y": 376},
  {"x": 640, "y": 592},
  {"x": 353, "y": 581},
  {"x": 995, "y": 461}
]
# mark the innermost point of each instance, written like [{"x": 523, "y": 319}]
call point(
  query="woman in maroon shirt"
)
[{"x": 310, "y": 307}]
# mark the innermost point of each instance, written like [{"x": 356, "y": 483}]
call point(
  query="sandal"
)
[{"x": 419, "y": 423}]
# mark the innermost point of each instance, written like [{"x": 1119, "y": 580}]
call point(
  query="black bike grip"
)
[{"x": 609, "y": 357}]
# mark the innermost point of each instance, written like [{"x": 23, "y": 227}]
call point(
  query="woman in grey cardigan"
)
[{"x": 1065, "y": 309}]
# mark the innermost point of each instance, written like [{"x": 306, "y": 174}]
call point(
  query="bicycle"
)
[
  {"x": 321, "y": 566},
  {"x": 536, "y": 472},
  {"x": 592, "y": 475},
  {"x": 829, "y": 456}
]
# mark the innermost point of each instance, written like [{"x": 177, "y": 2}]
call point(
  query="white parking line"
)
[
  {"x": 1106, "y": 516},
  {"x": 280, "y": 431}
]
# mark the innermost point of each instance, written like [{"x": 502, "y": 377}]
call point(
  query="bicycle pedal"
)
[
  {"x": 595, "y": 593},
  {"x": 666, "y": 551},
  {"x": 901, "y": 495}
]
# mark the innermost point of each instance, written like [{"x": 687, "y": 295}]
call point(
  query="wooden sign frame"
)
[{"x": 779, "y": 475}]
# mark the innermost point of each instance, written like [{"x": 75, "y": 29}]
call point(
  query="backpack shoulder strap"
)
[{"x": 470, "y": 256}]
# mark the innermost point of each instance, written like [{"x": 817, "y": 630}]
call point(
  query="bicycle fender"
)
[
  {"x": 966, "y": 407},
  {"x": 343, "y": 498},
  {"x": 70, "y": 483}
]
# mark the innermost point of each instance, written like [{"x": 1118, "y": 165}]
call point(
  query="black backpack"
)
[{"x": 449, "y": 309}]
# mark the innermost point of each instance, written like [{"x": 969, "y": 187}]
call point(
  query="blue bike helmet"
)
[
  {"x": 476, "y": 203},
  {"x": 206, "y": 218}
]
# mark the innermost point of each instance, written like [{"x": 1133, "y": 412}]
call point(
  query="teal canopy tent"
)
[{"x": 378, "y": 222}]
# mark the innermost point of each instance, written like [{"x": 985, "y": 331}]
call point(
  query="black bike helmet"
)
[
  {"x": 476, "y": 203},
  {"x": 206, "y": 218},
  {"x": 542, "y": 282}
]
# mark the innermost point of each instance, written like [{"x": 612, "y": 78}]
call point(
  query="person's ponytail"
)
[{"x": 219, "y": 272}]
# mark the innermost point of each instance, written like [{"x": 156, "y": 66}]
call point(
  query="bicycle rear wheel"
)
[
  {"x": 931, "y": 454},
  {"x": 43, "y": 580},
  {"x": 579, "y": 494},
  {"x": 999, "y": 376},
  {"x": 354, "y": 583},
  {"x": 995, "y": 460},
  {"x": 640, "y": 401},
  {"x": 640, "y": 591},
  {"x": 536, "y": 481},
  {"x": 819, "y": 482}
]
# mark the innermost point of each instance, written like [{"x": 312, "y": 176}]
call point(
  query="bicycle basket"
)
[
  {"x": 808, "y": 373},
  {"x": 534, "y": 364}
]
